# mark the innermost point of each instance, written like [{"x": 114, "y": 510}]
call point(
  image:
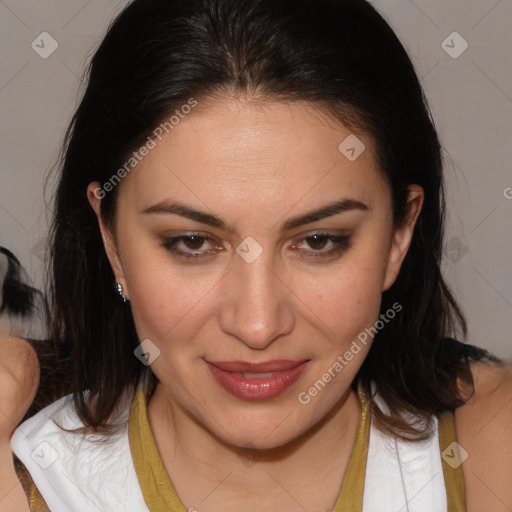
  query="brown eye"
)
[
  {"x": 190, "y": 246},
  {"x": 317, "y": 242},
  {"x": 193, "y": 242}
]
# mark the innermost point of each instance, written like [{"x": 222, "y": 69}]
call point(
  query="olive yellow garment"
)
[{"x": 160, "y": 495}]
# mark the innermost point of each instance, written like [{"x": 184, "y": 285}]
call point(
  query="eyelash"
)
[{"x": 342, "y": 243}]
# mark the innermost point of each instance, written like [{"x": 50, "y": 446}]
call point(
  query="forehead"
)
[{"x": 266, "y": 150}]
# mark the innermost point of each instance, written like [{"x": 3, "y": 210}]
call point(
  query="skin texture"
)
[
  {"x": 19, "y": 380},
  {"x": 255, "y": 165},
  {"x": 484, "y": 430}
]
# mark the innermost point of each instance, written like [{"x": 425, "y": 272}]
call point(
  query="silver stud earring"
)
[{"x": 119, "y": 290}]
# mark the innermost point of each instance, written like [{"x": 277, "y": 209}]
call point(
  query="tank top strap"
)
[
  {"x": 451, "y": 463},
  {"x": 155, "y": 484},
  {"x": 35, "y": 500},
  {"x": 351, "y": 495}
]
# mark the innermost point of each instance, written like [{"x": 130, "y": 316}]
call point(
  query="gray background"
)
[{"x": 470, "y": 97}]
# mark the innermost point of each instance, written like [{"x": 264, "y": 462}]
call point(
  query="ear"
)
[
  {"x": 94, "y": 195},
  {"x": 402, "y": 236}
]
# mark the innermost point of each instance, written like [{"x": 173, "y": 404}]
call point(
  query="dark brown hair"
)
[
  {"x": 17, "y": 298},
  {"x": 340, "y": 55}
]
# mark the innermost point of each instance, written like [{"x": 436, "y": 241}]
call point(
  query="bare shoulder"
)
[
  {"x": 484, "y": 430},
  {"x": 19, "y": 379},
  {"x": 18, "y": 361}
]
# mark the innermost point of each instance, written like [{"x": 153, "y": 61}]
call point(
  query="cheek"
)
[
  {"x": 159, "y": 297},
  {"x": 160, "y": 308},
  {"x": 168, "y": 301},
  {"x": 346, "y": 299}
]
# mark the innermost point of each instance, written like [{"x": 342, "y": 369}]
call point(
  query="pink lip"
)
[
  {"x": 229, "y": 375},
  {"x": 277, "y": 365}
]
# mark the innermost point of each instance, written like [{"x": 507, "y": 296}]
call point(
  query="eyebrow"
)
[{"x": 329, "y": 210}]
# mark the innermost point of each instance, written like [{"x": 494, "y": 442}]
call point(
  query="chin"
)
[
  {"x": 274, "y": 435},
  {"x": 247, "y": 445}
]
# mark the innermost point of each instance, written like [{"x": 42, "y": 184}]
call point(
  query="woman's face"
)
[{"x": 262, "y": 288}]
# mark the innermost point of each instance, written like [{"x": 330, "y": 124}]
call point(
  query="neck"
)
[{"x": 307, "y": 470}]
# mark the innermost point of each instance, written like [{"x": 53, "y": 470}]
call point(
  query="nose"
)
[{"x": 257, "y": 307}]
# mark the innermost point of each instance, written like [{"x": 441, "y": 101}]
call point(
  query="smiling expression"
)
[{"x": 246, "y": 235}]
